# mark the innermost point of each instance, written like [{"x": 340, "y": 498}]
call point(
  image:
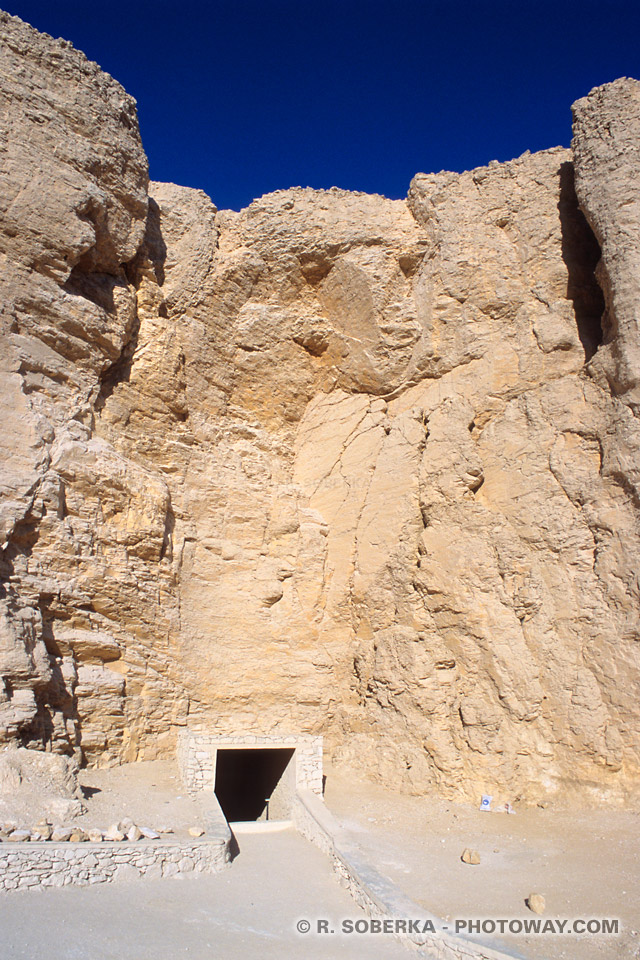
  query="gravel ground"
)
[
  {"x": 149, "y": 793},
  {"x": 586, "y": 863}
]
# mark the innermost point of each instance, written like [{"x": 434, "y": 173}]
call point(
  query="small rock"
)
[
  {"x": 196, "y": 832},
  {"x": 470, "y": 856},
  {"x": 19, "y": 836},
  {"x": 114, "y": 834},
  {"x": 61, "y": 808},
  {"x": 150, "y": 834},
  {"x": 133, "y": 833},
  {"x": 42, "y": 832},
  {"x": 78, "y": 835},
  {"x": 165, "y": 829},
  {"x": 60, "y": 834},
  {"x": 535, "y": 902},
  {"x": 95, "y": 836},
  {"x": 125, "y": 825}
]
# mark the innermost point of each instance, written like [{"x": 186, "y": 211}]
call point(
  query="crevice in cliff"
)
[
  {"x": 581, "y": 254},
  {"x": 53, "y": 701},
  {"x": 22, "y": 540},
  {"x": 625, "y": 484},
  {"x": 167, "y": 540},
  {"x": 96, "y": 287},
  {"x": 37, "y": 729},
  {"x": 120, "y": 370},
  {"x": 150, "y": 258}
]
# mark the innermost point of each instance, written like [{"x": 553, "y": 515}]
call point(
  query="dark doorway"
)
[{"x": 246, "y": 779}]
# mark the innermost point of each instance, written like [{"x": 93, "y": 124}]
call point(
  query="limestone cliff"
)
[{"x": 334, "y": 463}]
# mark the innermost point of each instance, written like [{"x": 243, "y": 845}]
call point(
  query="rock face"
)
[
  {"x": 31, "y": 780},
  {"x": 607, "y": 151},
  {"x": 334, "y": 463}
]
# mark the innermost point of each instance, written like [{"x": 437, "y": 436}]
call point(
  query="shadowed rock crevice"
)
[
  {"x": 153, "y": 249},
  {"x": 120, "y": 371},
  {"x": 14, "y": 559},
  {"x": 581, "y": 254},
  {"x": 149, "y": 260},
  {"x": 96, "y": 287},
  {"x": 606, "y": 134}
]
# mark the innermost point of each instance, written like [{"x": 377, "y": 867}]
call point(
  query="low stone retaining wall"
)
[
  {"x": 58, "y": 864},
  {"x": 377, "y": 896},
  {"x": 50, "y": 864}
]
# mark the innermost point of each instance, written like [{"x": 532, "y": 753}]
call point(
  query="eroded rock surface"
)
[
  {"x": 34, "y": 782},
  {"x": 334, "y": 463},
  {"x": 607, "y": 150}
]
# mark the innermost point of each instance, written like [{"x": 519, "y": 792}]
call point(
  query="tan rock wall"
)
[{"x": 333, "y": 464}]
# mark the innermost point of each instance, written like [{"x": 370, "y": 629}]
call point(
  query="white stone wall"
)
[
  {"x": 59, "y": 864},
  {"x": 197, "y": 757},
  {"x": 377, "y": 896},
  {"x": 309, "y": 765}
]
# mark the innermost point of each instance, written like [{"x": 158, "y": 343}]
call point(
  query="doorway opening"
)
[{"x": 255, "y": 784}]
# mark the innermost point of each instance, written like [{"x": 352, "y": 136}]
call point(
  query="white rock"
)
[
  {"x": 114, "y": 833},
  {"x": 60, "y": 834},
  {"x": 19, "y": 836},
  {"x": 150, "y": 834}
]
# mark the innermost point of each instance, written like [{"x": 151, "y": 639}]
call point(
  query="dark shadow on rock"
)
[
  {"x": 88, "y": 792},
  {"x": 234, "y": 847},
  {"x": 154, "y": 248},
  {"x": 96, "y": 287},
  {"x": 581, "y": 254},
  {"x": 167, "y": 539},
  {"x": 152, "y": 251}
]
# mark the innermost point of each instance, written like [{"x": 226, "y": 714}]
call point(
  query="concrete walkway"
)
[{"x": 247, "y": 912}]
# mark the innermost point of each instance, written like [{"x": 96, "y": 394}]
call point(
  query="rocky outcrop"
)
[
  {"x": 334, "y": 463},
  {"x": 33, "y": 780},
  {"x": 607, "y": 155},
  {"x": 73, "y": 215}
]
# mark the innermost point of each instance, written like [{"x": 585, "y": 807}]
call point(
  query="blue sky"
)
[{"x": 247, "y": 97}]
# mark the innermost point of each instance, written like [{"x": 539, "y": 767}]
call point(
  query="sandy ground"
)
[
  {"x": 585, "y": 863},
  {"x": 247, "y": 912},
  {"x": 149, "y": 793}
]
